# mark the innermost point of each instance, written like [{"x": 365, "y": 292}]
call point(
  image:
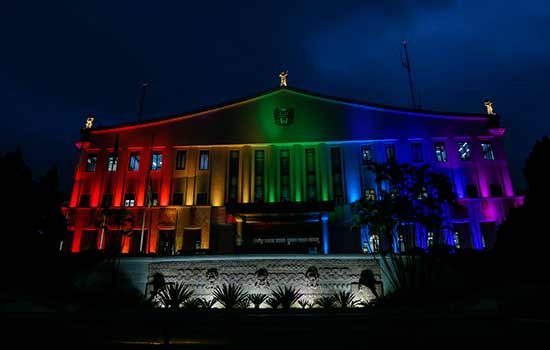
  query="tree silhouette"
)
[
  {"x": 525, "y": 232},
  {"x": 405, "y": 194}
]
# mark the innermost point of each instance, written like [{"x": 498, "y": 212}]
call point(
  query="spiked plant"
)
[
  {"x": 173, "y": 295},
  {"x": 231, "y": 296},
  {"x": 286, "y": 297},
  {"x": 345, "y": 299},
  {"x": 272, "y": 302},
  {"x": 304, "y": 303},
  {"x": 326, "y": 302},
  {"x": 192, "y": 303},
  {"x": 208, "y": 303},
  {"x": 257, "y": 299}
]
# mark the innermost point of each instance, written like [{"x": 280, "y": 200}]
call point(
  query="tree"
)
[
  {"x": 405, "y": 194},
  {"x": 52, "y": 225},
  {"x": 525, "y": 231}
]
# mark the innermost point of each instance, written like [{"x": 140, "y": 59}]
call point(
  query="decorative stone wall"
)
[{"x": 313, "y": 276}]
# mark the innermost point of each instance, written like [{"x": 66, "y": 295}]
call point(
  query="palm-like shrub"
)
[
  {"x": 231, "y": 296},
  {"x": 366, "y": 303},
  {"x": 192, "y": 303},
  {"x": 345, "y": 299},
  {"x": 208, "y": 303},
  {"x": 272, "y": 303},
  {"x": 286, "y": 297},
  {"x": 304, "y": 303},
  {"x": 173, "y": 295},
  {"x": 326, "y": 302},
  {"x": 257, "y": 299}
]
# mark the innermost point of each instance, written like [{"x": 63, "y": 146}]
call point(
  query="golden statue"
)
[
  {"x": 89, "y": 122},
  {"x": 489, "y": 105},
  {"x": 283, "y": 76}
]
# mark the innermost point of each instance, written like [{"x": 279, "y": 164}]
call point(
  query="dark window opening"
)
[
  {"x": 203, "y": 160},
  {"x": 464, "y": 151},
  {"x": 285, "y": 175},
  {"x": 487, "y": 151},
  {"x": 367, "y": 157},
  {"x": 233, "y": 175},
  {"x": 180, "y": 160},
  {"x": 107, "y": 200},
  {"x": 91, "y": 162},
  {"x": 134, "y": 162},
  {"x": 85, "y": 200},
  {"x": 156, "y": 160},
  {"x": 337, "y": 175},
  {"x": 440, "y": 152},
  {"x": 177, "y": 198},
  {"x": 259, "y": 176},
  {"x": 112, "y": 162},
  {"x": 129, "y": 200},
  {"x": 154, "y": 199},
  {"x": 416, "y": 149},
  {"x": 166, "y": 242},
  {"x": 390, "y": 153},
  {"x": 471, "y": 191},
  {"x": 496, "y": 190},
  {"x": 202, "y": 198},
  {"x": 311, "y": 177}
]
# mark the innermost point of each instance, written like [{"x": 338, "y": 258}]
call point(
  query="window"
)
[
  {"x": 311, "y": 181},
  {"x": 107, "y": 200},
  {"x": 180, "y": 160},
  {"x": 401, "y": 241},
  {"x": 88, "y": 240},
  {"x": 336, "y": 175},
  {"x": 374, "y": 243},
  {"x": 177, "y": 198},
  {"x": 370, "y": 194},
  {"x": 129, "y": 200},
  {"x": 430, "y": 239},
  {"x": 67, "y": 244},
  {"x": 390, "y": 153},
  {"x": 367, "y": 157},
  {"x": 487, "y": 151},
  {"x": 259, "y": 175},
  {"x": 156, "y": 160},
  {"x": 112, "y": 162},
  {"x": 155, "y": 199},
  {"x": 91, "y": 162},
  {"x": 203, "y": 160},
  {"x": 464, "y": 151},
  {"x": 166, "y": 242},
  {"x": 440, "y": 153},
  {"x": 471, "y": 191},
  {"x": 496, "y": 190},
  {"x": 285, "y": 175},
  {"x": 202, "y": 198},
  {"x": 456, "y": 238},
  {"x": 134, "y": 162},
  {"x": 233, "y": 175},
  {"x": 416, "y": 150},
  {"x": 85, "y": 200}
]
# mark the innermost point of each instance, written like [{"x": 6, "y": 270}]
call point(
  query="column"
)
[{"x": 324, "y": 225}]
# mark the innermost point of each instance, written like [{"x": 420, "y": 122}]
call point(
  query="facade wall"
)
[{"x": 194, "y": 197}]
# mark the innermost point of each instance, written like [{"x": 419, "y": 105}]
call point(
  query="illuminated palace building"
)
[{"x": 276, "y": 173}]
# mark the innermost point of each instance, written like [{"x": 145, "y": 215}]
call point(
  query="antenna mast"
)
[
  {"x": 405, "y": 62},
  {"x": 144, "y": 87}
]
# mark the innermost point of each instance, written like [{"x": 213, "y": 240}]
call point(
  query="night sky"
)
[{"x": 61, "y": 60}]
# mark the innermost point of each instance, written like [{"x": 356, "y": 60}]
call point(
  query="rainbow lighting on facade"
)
[{"x": 275, "y": 173}]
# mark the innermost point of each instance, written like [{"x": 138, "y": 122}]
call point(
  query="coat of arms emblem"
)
[{"x": 283, "y": 116}]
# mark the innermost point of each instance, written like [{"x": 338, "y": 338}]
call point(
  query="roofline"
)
[{"x": 234, "y": 103}]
